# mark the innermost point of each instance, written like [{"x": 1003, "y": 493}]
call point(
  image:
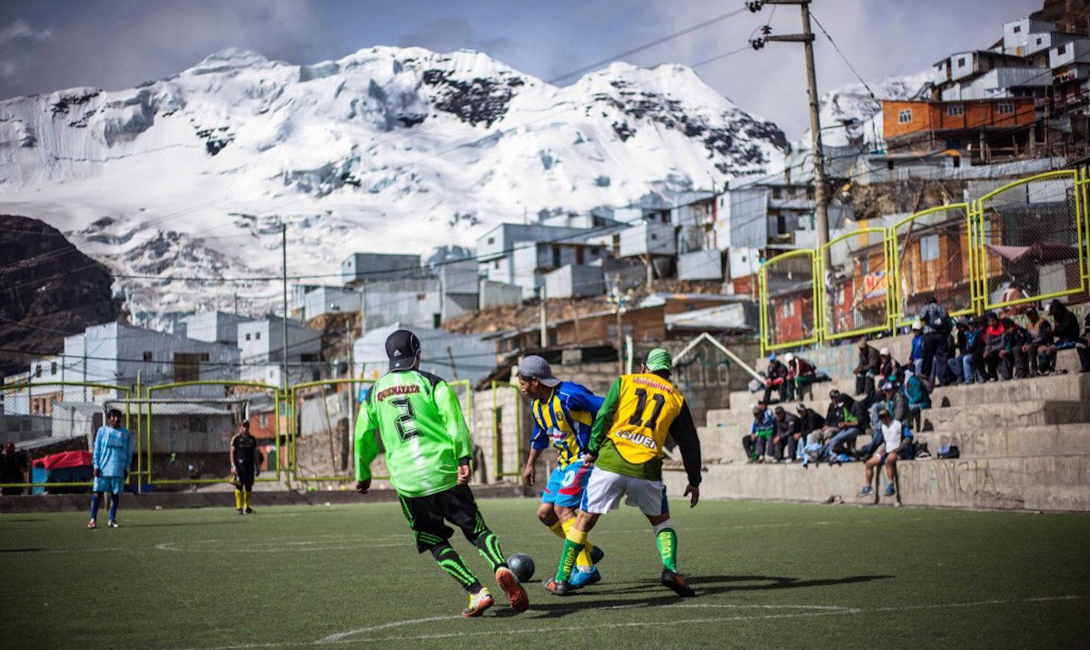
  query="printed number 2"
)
[
  {"x": 641, "y": 404},
  {"x": 405, "y": 422}
]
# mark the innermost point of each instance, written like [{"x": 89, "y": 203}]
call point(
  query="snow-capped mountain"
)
[
  {"x": 388, "y": 149},
  {"x": 850, "y": 115}
]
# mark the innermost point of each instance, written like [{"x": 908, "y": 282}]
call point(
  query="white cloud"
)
[{"x": 20, "y": 29}]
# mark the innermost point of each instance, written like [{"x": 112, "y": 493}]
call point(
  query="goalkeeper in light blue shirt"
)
[{"x": 111, "y": 460}]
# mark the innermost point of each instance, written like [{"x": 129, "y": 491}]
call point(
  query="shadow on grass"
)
[
  {"x": 657, "y": 595},
  {"x": 20, "y": 550}
]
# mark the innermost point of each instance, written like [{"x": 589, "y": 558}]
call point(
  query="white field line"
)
[{"x": 811, "y": 611}]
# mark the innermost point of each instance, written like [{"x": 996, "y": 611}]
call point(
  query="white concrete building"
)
[{"x": 262, "y": 352}]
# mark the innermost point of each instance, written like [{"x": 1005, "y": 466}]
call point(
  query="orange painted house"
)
[{"x": 901, "y": 119}]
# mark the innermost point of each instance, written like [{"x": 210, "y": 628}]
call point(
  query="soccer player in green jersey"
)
[{"x": 428, "y": 453}]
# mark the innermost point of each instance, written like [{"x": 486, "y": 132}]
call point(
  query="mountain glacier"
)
[{"x": 388, "y": 150}]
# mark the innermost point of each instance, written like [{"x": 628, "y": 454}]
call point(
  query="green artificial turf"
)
[{"x": 770, "y": 576}]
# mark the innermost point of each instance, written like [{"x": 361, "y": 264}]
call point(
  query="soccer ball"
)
[{"x": 522, "y": 565}]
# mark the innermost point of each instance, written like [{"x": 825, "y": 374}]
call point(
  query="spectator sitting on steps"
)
[
  {"x": 887, "y": 365},
  {"x": 1040, "y": 338},
  {"x": 787, "y": 433},
  {"x": 775, "y": 377},
  {"x": 853, "y": 419},
  {"x": 893, "y": 437},
  {"x": 1065, "y": 330},
  {"x": 918, "y": 393},
  {"x": 1015, "y": 340},
  {"x": 892, "y": 400},
  {"x": 867, "y": 369},
  {"x": 810, "y": 422},
  {"x": 758, "y": 442},
  {"x": 800, "y": 373}
]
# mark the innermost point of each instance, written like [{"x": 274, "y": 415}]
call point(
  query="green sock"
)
[
  {"x": 573, "y": 544},
  {"x": 667, "y": 542},
  {"x": 489, "y": 547},
  {"x": 449, "y": 560}
]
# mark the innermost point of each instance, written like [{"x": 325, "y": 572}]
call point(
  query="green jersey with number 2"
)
[{"x": 423, "y": 432}]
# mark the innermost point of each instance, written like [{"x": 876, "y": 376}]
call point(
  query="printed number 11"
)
[{"x": 641, "y": 405}]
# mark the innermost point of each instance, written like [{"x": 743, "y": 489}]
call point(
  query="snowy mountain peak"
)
[{"x": 193, "y": 174}]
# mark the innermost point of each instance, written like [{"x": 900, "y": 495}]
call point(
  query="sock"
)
[
  {"x": 583, "y": 559},
  {"x": 489, "y": 547},
  {"x": 114, "y": 498},
  {"x": 559, "y": 530},
  {"x": 246, "y": 494},
  {"x": 666, "y": 538},
  {"x": 238, "y": 499},
  {"x": 96, "y": 498},
  {"x": 449, "y": 560},
  {"x": 572, "y": 545}
]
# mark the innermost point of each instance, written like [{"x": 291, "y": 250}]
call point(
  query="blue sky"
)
[{"x": 52, "y": 44}]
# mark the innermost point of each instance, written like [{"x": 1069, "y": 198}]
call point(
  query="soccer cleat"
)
[
  {"x": 890, "y": 490},
  {"x": 597, "y": 555},
  {"x": 677, "y": 584},
  {"x": 557, "y": 587},
  {"x": 866, "y": 491},
  {"x": 113, "y": 523},
  {"x": 516, "y": 595},
  {"x": 249, "y": 511},
  {"x": 584, "y": 578},
  {"x": 240, "y": 511},
  {"x": 478, "y": 603},
  {"x": 91, "y": 525}
]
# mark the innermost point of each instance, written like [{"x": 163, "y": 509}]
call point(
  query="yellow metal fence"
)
[{"x": 1025, "y": 242}]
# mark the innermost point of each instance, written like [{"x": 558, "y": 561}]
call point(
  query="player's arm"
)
[
  {"x": 683, "y": 431},
  {"x": 100, "y": 449},
  {"x": 231, "y": 452},
  {"x": 365, "y": 444},
  {"x": 538, "y": 443},
  {"x": 450, "y": 409},
  {"x": 602, "y": 422},
  {"x": 581, "y": 399}
]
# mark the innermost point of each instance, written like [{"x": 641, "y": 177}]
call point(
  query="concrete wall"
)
[
  {"x": 366, "y": 267},
  {"x": 496, "y": 294},
  {"x": 700, "y": 265},
  {"x": 575, "y": 280},
  {"x": 414, "y": 303}
]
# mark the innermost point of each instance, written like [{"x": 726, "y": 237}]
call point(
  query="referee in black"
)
[{"x": 245, "y": 457}]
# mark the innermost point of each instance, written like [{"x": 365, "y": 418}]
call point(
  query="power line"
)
[{"x": 845, "y": 59}]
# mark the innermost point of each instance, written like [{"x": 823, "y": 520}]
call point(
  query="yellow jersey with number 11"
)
[{"x": 647, "y": 406}]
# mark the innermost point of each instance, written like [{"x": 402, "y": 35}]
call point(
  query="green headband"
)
[{"x": 659, "y": 359}]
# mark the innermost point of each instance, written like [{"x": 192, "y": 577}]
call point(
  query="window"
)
[
  {"x": 1038, "y": 40},
  {"x": 556, "y": 256},
  {"x": 38, "y": 370},
  {"x": 961, "y": 62},
  {"x": 53, "y": 368},
  {"x": 247, "y": 336},
  {"x": 954, "y": 110},
  {"x": 1006, "y": 109},
  {"x": 257, "y": 336},
  {"x": 204, "y": 356},
  {"x": 491, "y": 240},
  {"x": 905, "y": 116},
  {"x": 1061, "y": 50},
  {"x": 148, "y": 356},
  {"x": 187, "y": 366},
  {"x": 929, "y": 248},
  {"x": 1017, "y": 28},
  {"x": 496, "y": 264}
]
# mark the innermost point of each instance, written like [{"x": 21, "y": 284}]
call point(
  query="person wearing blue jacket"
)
[{"x": 110, "y": 460}]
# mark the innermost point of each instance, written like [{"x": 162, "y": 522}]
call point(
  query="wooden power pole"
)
[{"x": 807, "y": 40}]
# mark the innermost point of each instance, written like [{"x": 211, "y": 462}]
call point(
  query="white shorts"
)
[{"x": 605, "y": 489}]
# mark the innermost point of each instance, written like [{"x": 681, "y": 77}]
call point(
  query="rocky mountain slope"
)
[
  {"x": 388, "y": 149},
  {"x": 47, "y": 289}
]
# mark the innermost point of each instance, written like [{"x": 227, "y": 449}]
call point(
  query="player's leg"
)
[
  {"x": 459, "y": 507},
  {"x": 869, "y": 466},
  {"x": 650, "y": 496},
  {"x": 431, "y": 534},
  {"x": 546, "y": 513},
  {"x": 569, "y": 497},
  {"x": 603, "y": 490},
  {"x": 246, "y": 477},
  {"x": 115, "y": 498},
  {"x": 96, "y": 500}
]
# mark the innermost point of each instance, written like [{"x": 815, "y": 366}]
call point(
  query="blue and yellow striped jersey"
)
[{"x": 564, "y": 420}]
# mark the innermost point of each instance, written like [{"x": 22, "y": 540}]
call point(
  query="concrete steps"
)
[{"x": 1010, "y": 482}]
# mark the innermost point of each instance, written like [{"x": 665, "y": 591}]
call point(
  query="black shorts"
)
[
  {"x": 244, "y": 473},
  {"x": 426, "y": 516}
]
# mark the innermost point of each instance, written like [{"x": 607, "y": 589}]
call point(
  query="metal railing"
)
[{"x": 1023, "y": 243}]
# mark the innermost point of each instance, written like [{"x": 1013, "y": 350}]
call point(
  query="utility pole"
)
[
  {"x": 284, "y": 268},
  {"x": 807, "y": 40},
  {"x": 544, "y": 328}
]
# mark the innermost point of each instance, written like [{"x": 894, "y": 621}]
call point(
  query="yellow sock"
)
[
  {"x": 246, "y": 498},
  {"x": 238, "y": 499},
  {"x": 559, "y": 530},
  {"x": 584, "y": 556}
]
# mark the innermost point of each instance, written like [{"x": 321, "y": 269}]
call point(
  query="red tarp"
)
[{"x": 64, "y": 459}]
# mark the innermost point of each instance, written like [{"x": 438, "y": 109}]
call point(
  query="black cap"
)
[{"x": 402, "y": 348}]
